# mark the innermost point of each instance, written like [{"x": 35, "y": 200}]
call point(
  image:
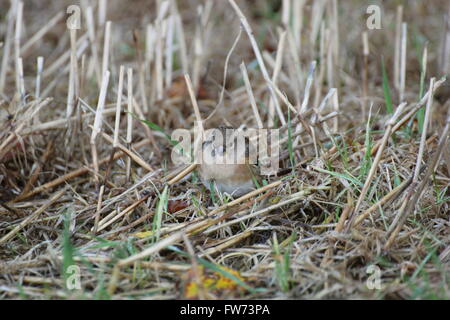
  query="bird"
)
[{"x": 219, "y": 169}]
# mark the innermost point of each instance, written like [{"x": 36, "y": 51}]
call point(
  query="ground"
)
[{"x": 91, "y": 208}]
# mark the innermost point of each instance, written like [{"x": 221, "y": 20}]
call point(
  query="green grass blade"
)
[
  {"x": 347, "y": 177},
  {"x": 160, "y": 209},
  {"x": 155, "y": 127}
]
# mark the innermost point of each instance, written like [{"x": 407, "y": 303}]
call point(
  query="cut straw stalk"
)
[
  {"x": 245, "y": 197},
  {"x": 61, "y": 123},
  {"x": 199, "y": 140},
  {"x": 99, "y": 207},
  {"x": 182, "y": 174},
  {"x": 303, "y": 108},
  {"x": 159, "y": 80},
  {"x": 7, "y": 45},
  {"x": 292, "y": 198},
  {"x": 144, "y": 218},
  {"x": 444, "y": 61},
  {"x": 159, "y": 49},
  {"x": 338, "y": 229},
  {"x": 118, "y": 107},
  {"x": 8, "y": 143},
  {"x": 148, "y": 132},
  {"x": 297, "y": 22},
  {"x": 171, "y": 239},
  {"x": 179, "y": 33},
  {"x": 411, "y": 113},
  {"x": 225, "y": 73},
  {"x": 41, "y": 33},
  {"x": 424, "y": 131},
  {"x": 129, "y": 137},
  {"x": 286, "y": 13},
  {"x": 40, "y": 68},
  {"x": 129, "y": 152},
  {"x": 150, "y": 38},
  {"x": 105, "y": 223},
  {"x": 365, "y": 77},
  {"x": 268, "y": 58},
  {"x": 169, "y": 50},
  {"x": 276, "y": 73},
  {"x": 423, "y": 74},
  {"x": 259, "y": 58},
  {"x": 309, "y": 81},
  {"x": 201, "y": 34},
  {"x": 324, "y": 47},
  {"x": 107, "y": 41},
  {"x": 98, "y": 122},
  {"x": 335, "y": 45},
  {"x": 336, "y": 110},
  {"x": 181, "y": 42},
  {"x": 93, "y": 41},
  {"x": 59, "y": 65},
  {"x": 130, "y": 97},
  {"x": 251, "y": 97},
  {"x": 315, "y": 20},
  {"x": 228, "y": 242},
  {"x": 375, "y": 163},
  {"x": 279, "y": 93},
  {"x": 17, "y": 35},
  {"x": 102, "y": 9},
  {"x": 20, "y": 79},
  {"x": 403, "y": 61},
  {"x": 295, "y": 72},
  {"x": 76, "y": 173},
  {"x": 141, "y": 74},
  {"x": 408, "y": 203},
  {"x": 114, "y": 201},
  {"x": 32, "y": 217},
  {"x": 73, "y": 74},
  {"x": 398, "y": 46},
  {"x": 38, "y": 168},
  {"x": 416, "y": 192},
  {"x": 400, "y": 188}
]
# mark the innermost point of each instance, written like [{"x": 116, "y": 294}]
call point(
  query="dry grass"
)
[{"x": 87, "y": 184}]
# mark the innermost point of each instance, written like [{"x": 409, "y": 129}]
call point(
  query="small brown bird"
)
[{"x": 218, "y": 169}]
